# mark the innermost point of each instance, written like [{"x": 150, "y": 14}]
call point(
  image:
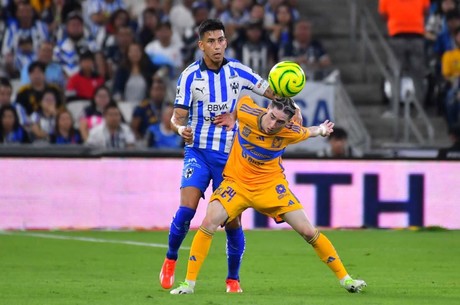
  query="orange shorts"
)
[{"x": 272, "y": 200}]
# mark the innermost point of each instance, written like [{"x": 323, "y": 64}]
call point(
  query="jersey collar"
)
[{"x": 203, "y": 66}]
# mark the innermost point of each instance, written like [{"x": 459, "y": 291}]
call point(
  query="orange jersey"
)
[{"x": 255, "y": 157}]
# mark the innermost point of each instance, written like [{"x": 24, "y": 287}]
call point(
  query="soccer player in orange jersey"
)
[{"x": 253, "y": 177}]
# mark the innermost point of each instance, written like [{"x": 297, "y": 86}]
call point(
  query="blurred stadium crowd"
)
[{"x": 103, "y": 72}]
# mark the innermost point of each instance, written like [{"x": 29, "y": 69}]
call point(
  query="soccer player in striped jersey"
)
[
  {"x": 253, "y": 177},
  {"x": 207, "y": 92}
]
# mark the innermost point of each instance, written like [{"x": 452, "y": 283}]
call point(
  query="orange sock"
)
[
  {"x": 200, "y": 248},
  {"x": 326, "y": 252}
]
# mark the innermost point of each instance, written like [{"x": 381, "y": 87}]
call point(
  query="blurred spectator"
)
[
  {"x": 30, "y": 95},
  {"x": 161, "y": 135},
  {"x": 235, "y": 17},
  {"x": 44, "y": 120},
  {"x": 6, "y": 91},
  {"x": 257, "y": 13},
  {"x": 44, "y": 9},
  {"x": 116, "y": 53},
  {"x": 92, "y": 115},
  {"x": 445, "y": 40},
  {"x": 451, "y": 73},
  {"x": 200, "y": 12},
  {"x": 106, "y": 35},
  {"x": 99, "y": 11},
  {"x": 163, "y": 51},
  {"x": 81, "y": 86},
  {"x": 64, "y": 132},
  {"x": 436, "y": 21},
  {"x": 181, "y": 16},
  {"x": 405, "y": 22},
  {"x": 53, "y": 72},
  {"x": 271, "y": 7},
  {"x": 307, "y": 52},
  {"x": 339, "y": 146},
  {"x": 452, "y": 152},
  {"x": 23, "y": 57},
  {"x": 112, "y": 133},
  {"x": 254, "y": 49},
  {"x": 149, "y": 111},
  {"x": 134, "y": 76},
  {"x": 147, "y": 32},
  {"x": 22, "y": 27},
  {"x": 282, "y": 30},
  {"x": 10, "y": 129},
  {"x": 74, "y": 43}
]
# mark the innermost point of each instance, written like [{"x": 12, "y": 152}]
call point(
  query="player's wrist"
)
[
  {"x": 322, "y": 130},
  {"x": 180, "y": 130}
]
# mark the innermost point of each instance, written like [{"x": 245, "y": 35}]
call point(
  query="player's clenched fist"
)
[{"x": 186, "y": 133}]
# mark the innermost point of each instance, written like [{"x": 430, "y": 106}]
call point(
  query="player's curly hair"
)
[{"x": 286, "y": 104}]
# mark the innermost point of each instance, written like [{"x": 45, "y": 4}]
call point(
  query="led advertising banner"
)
[{"x": 144, "y": 193}]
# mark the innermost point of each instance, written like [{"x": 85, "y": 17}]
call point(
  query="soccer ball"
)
[{"x": 286, "y": 78}]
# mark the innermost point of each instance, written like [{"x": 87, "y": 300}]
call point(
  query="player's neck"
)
[{"x": 211, "y": 65}]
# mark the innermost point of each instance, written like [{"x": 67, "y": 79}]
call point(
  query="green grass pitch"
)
[{"x": 400, "y": 267}]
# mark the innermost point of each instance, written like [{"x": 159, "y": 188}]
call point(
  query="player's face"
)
[
  {"x": 213, "y": 44},
  {"x": 274, "y": 120}
]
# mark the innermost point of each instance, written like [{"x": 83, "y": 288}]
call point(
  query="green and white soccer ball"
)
[{"x": 286, "y": 79}]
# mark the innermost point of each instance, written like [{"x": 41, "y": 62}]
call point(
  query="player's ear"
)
[{"x": 200, "y": 45}]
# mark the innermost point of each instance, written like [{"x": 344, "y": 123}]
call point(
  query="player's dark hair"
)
[
  {"x": 210, "y": 25},
  {"x": 286, "y": 104}
]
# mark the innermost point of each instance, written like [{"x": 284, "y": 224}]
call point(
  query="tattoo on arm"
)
[{"x": 179, "y": 118}]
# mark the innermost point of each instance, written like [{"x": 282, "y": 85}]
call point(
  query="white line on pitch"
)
[{"x": 89, "y": 239}]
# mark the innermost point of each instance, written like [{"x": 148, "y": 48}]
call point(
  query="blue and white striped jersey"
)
[
  {"x": 207, "y": 93},
  {"x": 38, "y": 33}
]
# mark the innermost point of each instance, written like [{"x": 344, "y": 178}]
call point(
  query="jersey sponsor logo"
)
[
  {"x": 251, "y": 159},
  {"x": 217, "y": 107},
  {"x": 277, "y": 142},
  {"x": 200, "y": 89},
  {"x": 177, "y": 90},
  {"x": 261, "y": 138},
  {"x": 199, "y": 79}
]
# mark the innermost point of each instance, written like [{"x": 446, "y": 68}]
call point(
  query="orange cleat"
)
[
  {"x": 167, "y": 273},
  {"x": 233, "y": 286}
]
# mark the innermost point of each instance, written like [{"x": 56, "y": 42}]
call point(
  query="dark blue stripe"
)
[
  {"x": 188, "y": 90},
  {"x": 199, "y": 126},
  {"x": 223, "y": 85},
  {"x": 212, "y": 128},
  {"x": 212, "y": 92},
  {"x": 270, "y": 154},
  {"x": 223, "y": 139},
  {"x": 232, "y": 108},
  {"x": 246, "y": 75}
]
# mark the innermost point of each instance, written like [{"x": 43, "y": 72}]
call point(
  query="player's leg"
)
[
  {"x": 236, "y": 244},
  {"x": 195, "y": 180},
  {"x": 236, "y": 241},
  {"x": 215, "y": 216},
  {"x": 323, "y": 247}
]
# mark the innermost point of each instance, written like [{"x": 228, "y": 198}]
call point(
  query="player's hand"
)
[
  {"x": 297, "y": 118},
  {"x": 225, "y": 119},
  {"x": 326, "y": 128},
  {"x": 187, "y": 134}
]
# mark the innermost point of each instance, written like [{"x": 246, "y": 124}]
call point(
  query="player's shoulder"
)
[
  {"x": 192, "y": 68},
  {"x": 235, "y": 63},
  {"x": 248, "y": 105}
]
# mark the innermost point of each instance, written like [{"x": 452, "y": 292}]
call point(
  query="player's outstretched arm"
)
[
  {"x": 324, "y": 129},
  {"x": 179, "y": 124}
]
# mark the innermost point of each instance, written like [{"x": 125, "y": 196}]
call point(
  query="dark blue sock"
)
[
  {"x": 235, "y": 249},
  {"x": 179, "y": 228}
]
